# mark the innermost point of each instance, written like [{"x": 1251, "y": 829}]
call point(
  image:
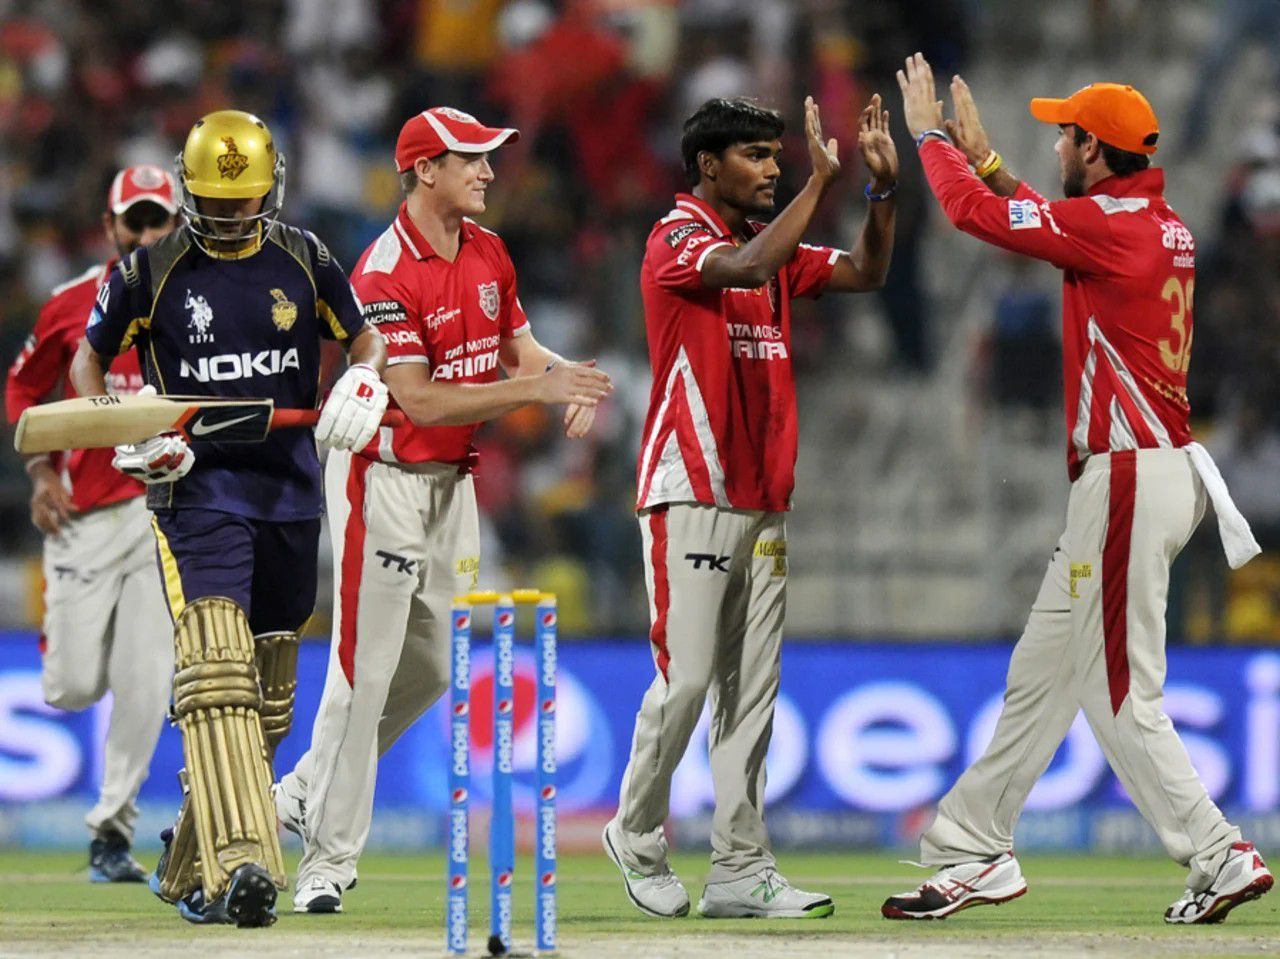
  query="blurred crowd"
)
[{"x": 599, "y": 89}]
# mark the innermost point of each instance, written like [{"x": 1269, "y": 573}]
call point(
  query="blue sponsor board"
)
[{"x": 866, "y": 738}]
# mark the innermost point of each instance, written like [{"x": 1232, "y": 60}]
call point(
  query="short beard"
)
[{"x": 1073, "y": 182}]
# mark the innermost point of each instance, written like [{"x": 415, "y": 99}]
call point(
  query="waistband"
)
[
  {"x": 429, "y": 468},
  {"x": 1238, "y": 542},
  {"x": 1102, "y": 461}
]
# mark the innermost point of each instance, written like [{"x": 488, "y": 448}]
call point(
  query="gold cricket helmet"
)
[{"x": 230, "y": 154}]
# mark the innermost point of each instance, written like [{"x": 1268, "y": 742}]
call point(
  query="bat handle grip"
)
[{"x": 287, "y": 419}]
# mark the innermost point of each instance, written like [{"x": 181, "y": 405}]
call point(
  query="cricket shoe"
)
[
  {"x": 250, "y": 899},
  {"x": 110, "y": 860},
  {"x": 987, "y": 882},
  {"x": 661, "y": 896},
  {"x": 319, "y": 895},
  {"x": 153, "y": 882},
  {"x": 765, "y": 895},
  {"x": 193, "y": 908},
  {"x": 1242, "y": 878}
]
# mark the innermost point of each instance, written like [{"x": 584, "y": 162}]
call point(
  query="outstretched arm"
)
[
  {"x": 970, "y": 137},
  {"x": 867, "y": 264},
  {"x": 1072, "y": 234},
  {"x": 428, "y": 402}
]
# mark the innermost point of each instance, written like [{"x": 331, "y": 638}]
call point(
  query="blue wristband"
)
[
  {"x": 877, "y": 197},
  {"x": 940, "y": 134}
]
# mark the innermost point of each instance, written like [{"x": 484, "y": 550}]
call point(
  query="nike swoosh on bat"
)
[{"x": 201, "y": 428}]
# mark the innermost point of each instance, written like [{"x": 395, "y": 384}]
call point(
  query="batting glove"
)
[
  {"x": 354, "y": 409},
  {"x": 162, "y": 459}
]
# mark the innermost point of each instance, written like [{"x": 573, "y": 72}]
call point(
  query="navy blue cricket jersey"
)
[{"x": 247, "y": 327}]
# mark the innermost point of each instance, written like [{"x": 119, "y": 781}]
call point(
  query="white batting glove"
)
[
  {"x": 162, "y": 459},
  {"x": 353, "y": 412}
]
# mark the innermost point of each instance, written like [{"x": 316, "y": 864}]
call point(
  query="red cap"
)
[
  {"x": 1113, "y": 112},
  {"x": 146, "y": 182},
  {"x": 442, "y": 129}
]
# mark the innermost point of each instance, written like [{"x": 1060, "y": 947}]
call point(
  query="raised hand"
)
[
  {"x": 875, "y": 143},
  {"x": 966, "y": 129},
  {"x": 920, "y": 106},
  {"x": 825, "y": 157}
]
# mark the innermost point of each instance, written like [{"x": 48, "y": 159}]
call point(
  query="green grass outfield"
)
[{"x": 1095, "y": 906}]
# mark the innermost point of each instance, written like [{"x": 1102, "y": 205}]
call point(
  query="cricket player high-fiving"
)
[
  {"x": 105, "y": 625},
  {"x": 715, "y": 477},
  {"x": 406, "y": 539},
  {"x": 1095, "y": 636},
  {"x": 234, "y": 305}
]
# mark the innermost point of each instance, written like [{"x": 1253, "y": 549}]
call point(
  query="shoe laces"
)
[{"x": 777, "y": 878}]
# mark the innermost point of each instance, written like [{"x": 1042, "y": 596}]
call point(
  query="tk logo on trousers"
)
[
  {"x": 402, "y": 564},
  {"x": 717, "y": 564}
]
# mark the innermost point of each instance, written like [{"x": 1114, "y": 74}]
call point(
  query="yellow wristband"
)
[{"x": 989, "y": 166}]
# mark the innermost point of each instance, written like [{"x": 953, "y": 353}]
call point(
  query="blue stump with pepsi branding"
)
[{"x": 502, "y": 820}]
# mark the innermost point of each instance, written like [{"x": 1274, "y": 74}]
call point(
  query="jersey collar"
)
[
  {"x": 411, "y": 237},
  {"x": 701, "y": 210},
  {"x": 1148, "y": 183}
]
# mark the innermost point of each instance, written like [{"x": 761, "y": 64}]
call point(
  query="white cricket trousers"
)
[
  {"x": 1095, "y": 641},
  {"x": 717, "y": 581},
  {"x": 106, "y": 627},
  {"x": 405, "y": 543}
]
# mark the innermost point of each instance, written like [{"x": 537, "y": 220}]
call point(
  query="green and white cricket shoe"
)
[
  {"x": 661, "y": 896},
  {"x": 765, "y": 895}
]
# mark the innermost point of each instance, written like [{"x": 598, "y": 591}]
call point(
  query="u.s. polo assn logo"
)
[
  {"x": 201, "y": 319},
  {"x": 489, "y": 299}
]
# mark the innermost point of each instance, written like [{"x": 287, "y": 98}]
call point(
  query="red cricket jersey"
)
[
  {"x": 449, "y": 316},
  {"x": 722, "y": 426},
  {"x": 1128, "y": 283},
  {"x": 42, "y": 367}
]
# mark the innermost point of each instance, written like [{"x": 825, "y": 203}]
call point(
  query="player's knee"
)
[
  {"x": 687, "y": 691},
  {"x": 71, "y": 693}
]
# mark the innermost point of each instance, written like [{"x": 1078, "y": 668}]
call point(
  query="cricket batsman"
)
[
  {"x": 105, "y": 624},
  {"x": 441, "y": 289},
  {"x": 715, "y": 477},
  {"x": 234, "y": 305},
  {"x": 1095, "y": 637}
]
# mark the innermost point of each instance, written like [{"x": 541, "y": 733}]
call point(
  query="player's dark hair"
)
[
  {"x": 722, "y": 122},
  {"x": 408, "y": 181},
  {"x": 1120, "y": 162}
]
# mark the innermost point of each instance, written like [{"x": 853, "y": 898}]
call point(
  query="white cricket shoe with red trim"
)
[
  {"x": 987, "y": 882},
  {"x": 1242, "y": 878}
]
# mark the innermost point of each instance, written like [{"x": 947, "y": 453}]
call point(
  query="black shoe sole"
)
[
  {"x": 251, "y": 897},
  {"x": 890, "y": 910}
]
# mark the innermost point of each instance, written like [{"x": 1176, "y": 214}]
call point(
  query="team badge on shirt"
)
[
  {"x": 201, "y": 319},
  {"x": 489, "y": 299},
  {"x": 283, "y": 313}
]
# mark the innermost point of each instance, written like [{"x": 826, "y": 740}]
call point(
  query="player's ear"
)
[
  {"x": 708, "y": 164},
  {"x": 1092, "y": 148},
  {"x": 108, "y": 224},
  {"x": 426, "y": 170}
]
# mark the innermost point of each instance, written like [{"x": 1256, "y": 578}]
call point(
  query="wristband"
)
[
  {"x": 940, "y": 134},
  {"x": 878, "y": 197},
  {"x": 37, "y": 460},
  {"x": 990, "y": 165}
]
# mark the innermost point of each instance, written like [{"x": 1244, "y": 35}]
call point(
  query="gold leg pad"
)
[
  {"x": 217, "y": 700},
  {"x": 180, "y": 872},
  {"x": 277, "y": 658}
]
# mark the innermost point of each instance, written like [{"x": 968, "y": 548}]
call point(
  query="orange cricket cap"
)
[{"x": 1115, "y": 113}]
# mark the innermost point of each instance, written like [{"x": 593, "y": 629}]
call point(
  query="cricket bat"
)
[{"x": 91, "y": 422}]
